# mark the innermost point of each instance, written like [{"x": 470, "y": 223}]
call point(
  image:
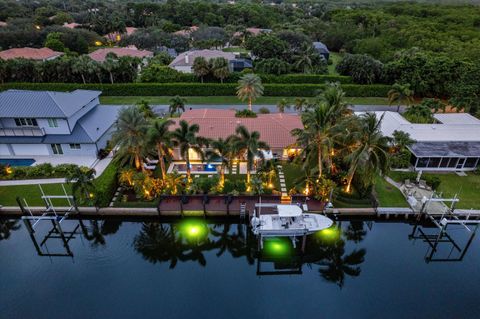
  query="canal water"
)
[{"x": 194, "y": 269}]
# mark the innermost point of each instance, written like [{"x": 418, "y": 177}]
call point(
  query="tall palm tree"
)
[
  {"x": 419, "y": 114},
  {"x": 400, "y": 94},
  {"x": 282, "y": 105},
  {"x": 300, "y": 103},
  {"x": 220, "y": 68},
  {"x": 305, "y": 60},
  {"x": 146, "y": 109},
  {"x": 177, "y": 103},
  {"x": 201, "y": 67},
  {"x": 160, "y": 135},
  {"x": 334, "y": 97},
  {"x": 82, "y": 180},
  {"x": 249, "y": 88},
  {"x": 250, "y": 145},
  {"x": 318, "y": 136},
  {"x": 369, "y": 154},
  {"x": 82, "y": 65},
  {"x": 221, "y": 149},
  {"x": 110, "y": 64},
  {"x": 131, "y": 136},
  {"x": 186, "y": 138}
]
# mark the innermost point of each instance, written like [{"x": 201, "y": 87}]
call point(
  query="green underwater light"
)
[
  {"x": 194, "y": 229},
  {"x": 329, "y": 234},
  {"x": 277, "y": 247}
]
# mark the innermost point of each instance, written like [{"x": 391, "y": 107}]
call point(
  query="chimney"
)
[{"x": 186, "y": 58}]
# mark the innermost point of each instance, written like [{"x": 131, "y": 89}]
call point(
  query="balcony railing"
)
[{"x": 22, "y": 131}]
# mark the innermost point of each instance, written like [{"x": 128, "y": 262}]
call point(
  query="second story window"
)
[
  {"x": 26, "y": 122},
  {"x": 52, "y": 123}
]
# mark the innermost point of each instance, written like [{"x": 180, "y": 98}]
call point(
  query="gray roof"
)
[
  {"x": 446, "y": 149},
  {"x": 89, "y": 129},
  {"x": 182, "y": 60},
  {"x": 43, "y": 104},
  {"x": 320, "y": 46}
]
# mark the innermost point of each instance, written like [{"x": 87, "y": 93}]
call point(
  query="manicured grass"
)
[
  {"x": 292, "y": 173},
  {"x": 31, "y": 193},
  {"x": 467, "y": 188},
  {"x": 218, "y": 100},
  {"x": 388, "y": 195},
  {"x": 335, "y": 58}
]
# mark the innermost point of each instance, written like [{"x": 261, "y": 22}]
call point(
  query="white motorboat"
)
[{"x": 286, "y": 220}]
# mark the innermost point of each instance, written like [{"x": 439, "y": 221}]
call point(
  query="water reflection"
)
[{"x": 7, "y": 226}]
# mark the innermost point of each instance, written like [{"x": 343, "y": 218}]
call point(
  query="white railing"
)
[{"x": 22, "y": 131}]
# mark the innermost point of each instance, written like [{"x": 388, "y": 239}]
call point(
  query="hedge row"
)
[
  {"x": 266, "y": 78},
  {"x": 106, "y": 185},
  {"x": 199, "y": 89}
]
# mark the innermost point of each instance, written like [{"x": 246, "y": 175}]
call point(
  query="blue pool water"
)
[
  {"x": 17, "y": 161},
  {"x": 184, "y": 269}
]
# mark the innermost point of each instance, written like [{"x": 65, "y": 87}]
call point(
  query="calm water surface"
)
[{"x": 127, "y": 269}]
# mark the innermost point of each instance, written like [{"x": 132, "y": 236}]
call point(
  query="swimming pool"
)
[
  {"x": 196, "y": 168},
  {"x": 17, "y": 161},
  {"x": 213, "y": 269}
]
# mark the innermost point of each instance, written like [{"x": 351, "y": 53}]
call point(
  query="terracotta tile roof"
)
[
  {"x": 100, "y": 54},
  {"x": 273, "y": 128},
  {"x": 30, "y": 53},
  {"x": 3, "y": 24},
  {"x": 72, "y": 25},
  {"x": 186, "y": 32}
]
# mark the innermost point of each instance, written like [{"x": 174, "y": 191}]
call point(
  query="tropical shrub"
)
[
  {"x": 245, "y": 113},
  {"x": 106, "y": 185}
]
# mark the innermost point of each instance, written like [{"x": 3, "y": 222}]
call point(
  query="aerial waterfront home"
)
[
  {"x": 46, "y": 123},
  {"x": 184, "y": 61},
  {"x": 42, "y": 54},
  {"x": 101, "y": 54},
  {"x": 451, "y": 144},
  {"x": 274, "y": 129}
]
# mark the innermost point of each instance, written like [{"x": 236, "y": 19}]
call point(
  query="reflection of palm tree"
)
[
  {"x": 355, "y": 231},
  {"x": 156, "y": 243},
  {"x": 95, "y": 237},
  {"x": 336, "y": 264},
  {"x": 110, "y": 226},
  {"x": 6, "y": 227}
]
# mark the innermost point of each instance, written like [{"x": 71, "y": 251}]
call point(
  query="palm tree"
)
[
  {"x": 250, "y": 145},
  {"x": 82, "y": 182},
  {"x": 400, "y": 94},
  {"x": 146, "y": 109},
  {"x": 306, "y": 59},
  {"x": 6, "y": 227},
  {"x": 186, "y": 138},
  {"x": 334, "y": 97},
  {"x": 160, "y": 135},
  {"x": 126, "y": 177},
  {"x": 419, "y": 114},
  {"x": 131, "y": 136},
  {"x": 222, "y": 150},
  {"x": 299, "y": 104},
  {"x": 177, "y": 103},
  {"x": 249, "y": 88},
  {"x": 369, "y": 154},
  {"x": 318, "y": 136},
  {"x": 220, "y": 68},
  {"x": 282, "y": 105},
  {"x": 200, "y": 67},
  {"x": 83, "y": 66},
  {"x": 110, "y": 64},
  {"x": 268, "y": 171}
]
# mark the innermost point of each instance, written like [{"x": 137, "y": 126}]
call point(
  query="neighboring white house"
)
[
  {"x": 36, "y": 123},
  {"x": 451, "y": 144},
  {"x": 184, "y": 61}
]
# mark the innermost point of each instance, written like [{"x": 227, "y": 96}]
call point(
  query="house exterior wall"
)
[
  {"x": 85, "y": 150},
  {"x": 61, "y": 129},
  {"x": 30, "y": 149},
  {"x": 184, "y": 69},
  {"x": 4, "y": 150},
  {"x": 102, "y": 142}
]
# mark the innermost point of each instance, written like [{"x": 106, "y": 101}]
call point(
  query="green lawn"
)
[
  {"x": 388, "y": 195},
  {"x": 467, "y": 188},
  {"x": 31, "y": 193},
  {"x": 292, "y": 173},
  {"x": 216, "y": 100},
  {"x": 236, "y": 49},
  {"x": 335, "y": 58}
]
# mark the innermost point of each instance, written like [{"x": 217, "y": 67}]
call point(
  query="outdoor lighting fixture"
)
[
  {"x": 193, "y": 229},
  {"x": 277, "y": 247},
  {"x": 270, "y": 185},
  {"x": 98, "y": 43},
  {"x": 9, "y": 170},
  {"x": 37, "y": 27},
  {"x": 329, "y": 234},
  {"x": 307, "y": 190},
  {"x": 90, "y": 195}
]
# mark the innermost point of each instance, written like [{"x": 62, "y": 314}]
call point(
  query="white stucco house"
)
[
  {"x": 452, "y": 143},
  {"x": 184, "y": 61},
  {"x": 46, "y": 123}
]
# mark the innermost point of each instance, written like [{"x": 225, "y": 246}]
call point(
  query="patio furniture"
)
[
  {"x": 149, "y": 167},
  {"x": 408, "y": 184},
  {"x": 151, "y": 161},
  {"x": 423, "y": 185}
]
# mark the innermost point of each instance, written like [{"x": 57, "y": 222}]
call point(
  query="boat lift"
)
[
  {"x": 467, "y": 219},
  {"x": 56, "y": 216}
]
